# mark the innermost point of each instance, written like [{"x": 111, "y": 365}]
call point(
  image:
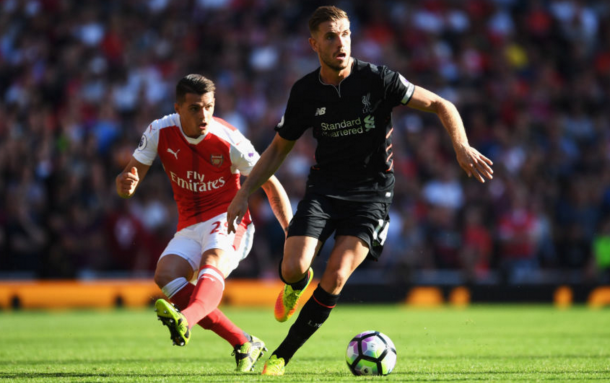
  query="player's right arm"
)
[
  {"x": 129, "y": 179},
  {"x": 267, "y": 165},
  {"x": 141, "y": 160}
]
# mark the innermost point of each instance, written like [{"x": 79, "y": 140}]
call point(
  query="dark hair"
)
[
  {"x": 324, "y": 14},
  {"x": 193, "y": 83}
]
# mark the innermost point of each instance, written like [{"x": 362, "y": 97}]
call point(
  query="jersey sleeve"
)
[
  {"x": 147, "y": 149},
  {"x": 294, "y": 121},
  {"x": 243, "y": 155},
  {"x": 397, "y": 89}
]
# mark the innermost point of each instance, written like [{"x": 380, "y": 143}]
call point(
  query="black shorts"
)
[{"x": 319, "y": 216}]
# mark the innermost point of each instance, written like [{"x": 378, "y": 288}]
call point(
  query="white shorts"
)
[{"x": 191, "y": 242}]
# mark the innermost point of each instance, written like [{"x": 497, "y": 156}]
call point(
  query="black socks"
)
[
  {"x": 300, "y": 285},
  {"x": 312, "y": 316}
]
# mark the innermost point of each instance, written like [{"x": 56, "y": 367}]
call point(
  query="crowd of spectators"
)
[{"x": 81, "y": 80}]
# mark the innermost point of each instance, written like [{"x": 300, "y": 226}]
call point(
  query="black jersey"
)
[{"x": 353, "y": 125}]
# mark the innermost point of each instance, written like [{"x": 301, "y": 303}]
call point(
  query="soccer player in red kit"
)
[{"x": 203, "y": 157}]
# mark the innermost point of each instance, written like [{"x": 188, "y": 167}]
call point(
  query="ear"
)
[
  {"x": 176, "y": 108},
  {"x": 314, "y": 44}
]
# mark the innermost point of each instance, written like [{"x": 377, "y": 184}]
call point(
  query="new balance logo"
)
[
  {"x": 174, "y": 153},
  {"x": 320, "y": 111}
]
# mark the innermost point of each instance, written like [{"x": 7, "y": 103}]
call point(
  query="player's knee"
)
[
  {"x": 293, "y": 271},
  {"x": 335, "y": 280},
  {"x": 340, "y": 281},
  {"x": 163, "y": 277}
]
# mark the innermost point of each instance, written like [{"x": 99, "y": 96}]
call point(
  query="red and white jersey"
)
[{"x": 204, "y": 171}]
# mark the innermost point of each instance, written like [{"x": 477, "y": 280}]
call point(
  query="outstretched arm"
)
[
  {"x": 473, "y": 162},
  {"x": 267, "y": 165},
  {"x": 128, "y": 180}
]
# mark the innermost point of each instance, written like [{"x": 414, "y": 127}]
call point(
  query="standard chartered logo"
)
[
  {"x": 348, "y": 127},
  {"x": 194, "y": 182}
]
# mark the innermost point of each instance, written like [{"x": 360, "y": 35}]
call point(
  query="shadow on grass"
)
[{"x": 184, "y": 360}]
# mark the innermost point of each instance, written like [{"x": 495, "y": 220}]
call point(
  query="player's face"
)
[
  {"x": 333, "y": 43},
  {"x": 196, "y": 113}
]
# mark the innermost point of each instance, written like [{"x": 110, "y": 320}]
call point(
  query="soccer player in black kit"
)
[{"x": 348, "y": 104}]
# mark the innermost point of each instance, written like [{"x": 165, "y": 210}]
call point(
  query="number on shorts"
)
[{"x": 219, "y": 227}]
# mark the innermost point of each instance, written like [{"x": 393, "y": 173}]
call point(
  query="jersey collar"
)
[
  {"x": 348, "y": 76},
  {"x": 337, "y": 87}
]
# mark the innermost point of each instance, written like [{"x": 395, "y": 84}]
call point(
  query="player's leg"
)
[
  {"x": 309, "y": 228},
  {"x": 296, "y": 273},
  {"x": 191, "y": 243},
  {"x": 347, "y": 254},
  {"x": 360, "y": 231},
  {"x": 172, "y": 275},
  {"x": 209, "y": 287},
  {"x": 174, "y": 269},
  {"x": 221, "y": 255}
]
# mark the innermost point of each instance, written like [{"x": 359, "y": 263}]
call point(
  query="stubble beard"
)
[{"x": 337, "y": 67}]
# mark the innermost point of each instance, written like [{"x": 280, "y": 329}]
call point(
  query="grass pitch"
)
[{"x": 480, "y": 343}]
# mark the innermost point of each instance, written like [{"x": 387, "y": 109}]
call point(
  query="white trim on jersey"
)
[
  {"x": 408, "y": 92},
  {"x": 243, "y": 155},
  {"x": 147, "y": 152}
]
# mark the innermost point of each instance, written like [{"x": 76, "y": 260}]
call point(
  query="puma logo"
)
[{"x": 174, "y": 153}]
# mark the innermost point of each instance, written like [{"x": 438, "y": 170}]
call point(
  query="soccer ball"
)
[{"x": 371, "y": 353}]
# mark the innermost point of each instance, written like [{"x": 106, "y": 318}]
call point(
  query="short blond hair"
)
[{"x": 324, "y": 14}]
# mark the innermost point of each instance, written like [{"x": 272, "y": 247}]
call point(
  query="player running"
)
[
  {"x": 203, "y": 157},
  {"x": 348, "y": 104}
]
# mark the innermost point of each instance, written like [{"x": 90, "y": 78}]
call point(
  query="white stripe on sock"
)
[
  {"x": 213, "y": 273},
  {"x": 174, "y": 286}
]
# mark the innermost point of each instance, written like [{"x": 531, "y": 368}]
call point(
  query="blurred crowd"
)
[{"x": 81, "y": 80}]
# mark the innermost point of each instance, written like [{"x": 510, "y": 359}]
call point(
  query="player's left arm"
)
[
  {"x": 474, "y": 163},
  {"x": 278, "y": 199}
]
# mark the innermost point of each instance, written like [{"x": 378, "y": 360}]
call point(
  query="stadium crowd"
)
[{"x": 80, "y": 81}]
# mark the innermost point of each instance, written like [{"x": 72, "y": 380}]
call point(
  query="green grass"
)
[{"x": 480, "y": 343}]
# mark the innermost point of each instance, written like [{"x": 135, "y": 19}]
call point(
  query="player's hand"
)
[
  {"x": 236, "y": 211},
  {"x": 126, "y": 183},
  {"x": 474, "y": 163}
]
